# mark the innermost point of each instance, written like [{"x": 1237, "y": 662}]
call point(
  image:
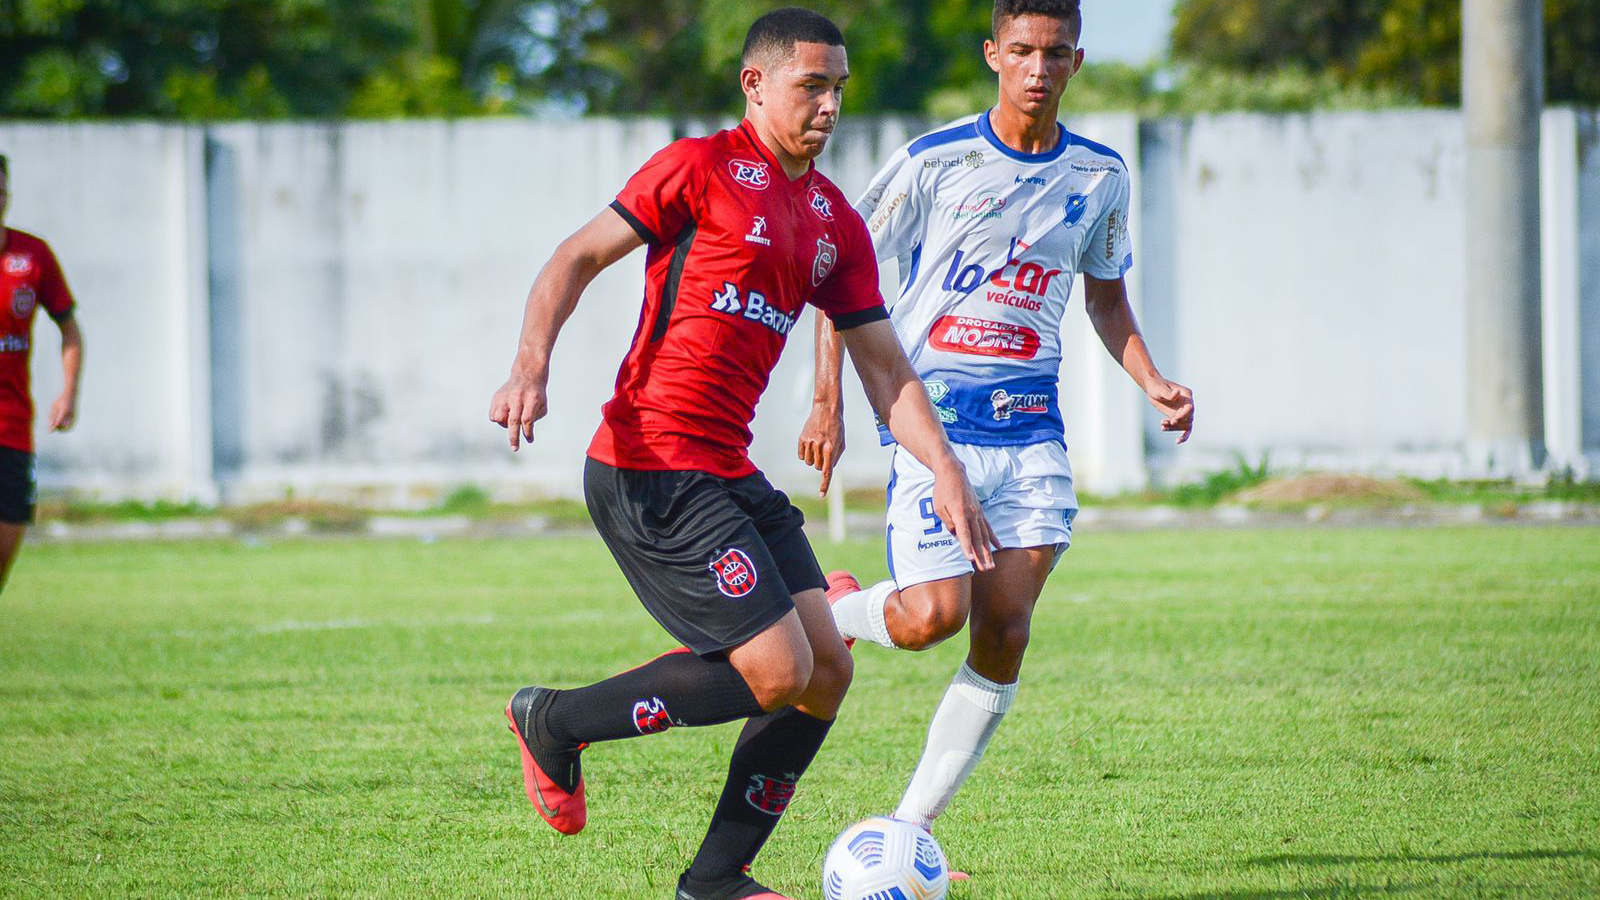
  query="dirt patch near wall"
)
[{"x": 1303, "y": 489}]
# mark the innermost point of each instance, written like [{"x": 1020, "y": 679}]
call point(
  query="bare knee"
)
[
  {"x": 928, "y": 621},
  {"x": 831, "y": 676},
  {"x": 780, "y": 682},
  {"x": 998, "y": 649}
]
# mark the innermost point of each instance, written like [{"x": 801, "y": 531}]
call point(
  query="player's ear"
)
[
  {"x": 750, "y": 79},
  {"x": 991, "y": 55},
  {"x": 1077, "y": 61}
]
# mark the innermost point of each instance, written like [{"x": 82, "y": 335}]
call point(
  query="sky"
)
[{"x": 1132, "y": 31}]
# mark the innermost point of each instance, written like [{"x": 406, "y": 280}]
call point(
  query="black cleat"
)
[{"x": 551, "y": 773}]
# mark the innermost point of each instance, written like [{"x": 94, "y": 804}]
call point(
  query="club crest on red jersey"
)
[
  {"x": 821, "y": 205},
  {"x": 827, "y": 255},
  {"x": 750, "y": 174},
  {"x": 735, "y": 573},
  {"x": 23, "y": 300},
  {"x": 650, "y": 716},
  {"x": 770, "y": 795}
]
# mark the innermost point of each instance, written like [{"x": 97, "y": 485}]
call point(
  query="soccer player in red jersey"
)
[
  {"x": 29, "y": 278},
  {"x": 742, "y": 233}
]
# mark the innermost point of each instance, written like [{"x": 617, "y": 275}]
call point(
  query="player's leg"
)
[
  {"x": 11, "y": 535},
  {"x": 16, "y": 505},
  {"x": 929, "y": 590},
  {"x": 1032, "y": 514},
  {"x": 774, "y": 750},
  {"x": 709, "y": 579},
  {"x": 985, "y": 686}
]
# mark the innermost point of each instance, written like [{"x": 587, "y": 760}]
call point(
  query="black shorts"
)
[
  {"x": 17, "y": 487},
  {"x": 713, "y": 559}
]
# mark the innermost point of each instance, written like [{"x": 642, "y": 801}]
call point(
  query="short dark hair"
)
[
  {"x": 778, "y": 31},
  {"x": 1069, "y": 11}
]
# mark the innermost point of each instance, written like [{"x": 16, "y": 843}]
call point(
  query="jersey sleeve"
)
[
  {"x": 893, "y": 207},
  {"x": 849, "y": 293},
  {"x": 54, "y": 295},
  {"x": 1109, "y": 253},
  {"x": 660, "y": 199}
]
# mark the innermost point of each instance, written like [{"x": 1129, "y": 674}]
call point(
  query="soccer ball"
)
[{"x": 884, "y": 859}]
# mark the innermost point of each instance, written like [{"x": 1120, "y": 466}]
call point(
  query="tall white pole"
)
[{"x": 1502, "y": 80}]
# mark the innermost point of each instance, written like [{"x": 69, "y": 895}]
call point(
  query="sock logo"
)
[
  {"x": 651, "y": 716},
  {"x": 770, "y": 795},
  {"x": 735, "y": 573}
]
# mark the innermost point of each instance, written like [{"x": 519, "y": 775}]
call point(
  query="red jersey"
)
[
  {"x": 29, "y": 278},
  {"x": 736, "y": 250}
]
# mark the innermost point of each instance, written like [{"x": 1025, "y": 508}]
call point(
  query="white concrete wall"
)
[
  {"x": 329, "y": 308},
  {"x": 118, "y": 205}
]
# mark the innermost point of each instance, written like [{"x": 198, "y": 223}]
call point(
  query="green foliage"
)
[
  {"x": 1411, "y": 48},
  {"x": 1211, "y": 489}
]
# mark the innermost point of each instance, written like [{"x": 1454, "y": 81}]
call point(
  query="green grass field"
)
[{"x": 1238, "y": 714}]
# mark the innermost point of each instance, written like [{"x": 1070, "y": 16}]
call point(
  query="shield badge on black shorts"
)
[{"x": 735, "y": 573}]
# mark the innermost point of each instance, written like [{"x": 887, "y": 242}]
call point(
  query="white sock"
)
[
  {"x": 967, "y": 718},
  {"x": 860, "y": 615}
]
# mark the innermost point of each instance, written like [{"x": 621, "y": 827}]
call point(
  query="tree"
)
[{"x": 1410, "y": 47}]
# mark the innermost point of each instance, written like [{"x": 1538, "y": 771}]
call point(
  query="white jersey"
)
[{"x": 989, "y": 242}]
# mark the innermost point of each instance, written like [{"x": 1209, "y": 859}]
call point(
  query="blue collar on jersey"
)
[{"x": 1063, "y": 138}]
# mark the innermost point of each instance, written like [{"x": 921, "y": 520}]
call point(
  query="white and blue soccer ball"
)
[{"x": 885, "y": 859}]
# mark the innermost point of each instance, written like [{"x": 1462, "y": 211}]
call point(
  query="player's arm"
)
[
  {"x": 1112, "y": 315},
  {"x": 64, "y": 411},
  {"x": 899, "y": 398},
  {"x": 822, "y": 438},
  {"x": 521, "y": 400}
]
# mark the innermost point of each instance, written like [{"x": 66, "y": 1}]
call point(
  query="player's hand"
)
[
  {"x": 957, "y": 506},
  {"x": 63, "y": 412},
  {"x": 518, "y": 404},
  {"x": 1176, "y": 405},
  {"x": 822, "y": 443}
]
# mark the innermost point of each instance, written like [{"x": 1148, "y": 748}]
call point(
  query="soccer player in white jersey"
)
[{"x": 991, "y": 219}]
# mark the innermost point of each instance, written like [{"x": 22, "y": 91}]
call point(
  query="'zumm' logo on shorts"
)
[
  {"x": 750, "y": 174},
  {"x": 735, "y": 573}
]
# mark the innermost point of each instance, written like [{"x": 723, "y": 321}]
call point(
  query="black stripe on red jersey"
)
[
  {"x": 64, "y": 315},
  {"x": 639, "y": 228},
  {"x": 860, "y": 317},
  {"x": 669, "y": 291}
]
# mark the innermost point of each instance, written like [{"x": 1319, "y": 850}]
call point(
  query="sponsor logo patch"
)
[
  {"x": 981, "y": 337},
  {"x": 758, "y": 230},
  {"x": 1005, "y": 404},
  {"x": 770, "y": 795},
  {"x": 973, "y": 160},
  {"x": 1034, "y": 180},
  {"x": 651, "y": 716},
  {"x": 734, "y": 573},
  {"x": 821, "y": 205},
  {"x": 985, "y": 206},
  {"x": 750, "y": 174},
  {"x": 884, "y": 214},
  {"x": 17, "y": 263}
]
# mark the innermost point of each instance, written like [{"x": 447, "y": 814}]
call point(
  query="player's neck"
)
[
  {"x": 1024, "y": 133},
  {"x": 793, "y": 166}
]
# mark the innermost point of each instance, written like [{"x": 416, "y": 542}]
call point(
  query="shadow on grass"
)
[{"x": 1328, "y": 859}]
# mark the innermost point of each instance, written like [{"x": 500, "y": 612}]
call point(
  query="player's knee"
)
[
  {"x": 832, "y": 673},
  {"x": 930, "y": 623},
  {"x": 781, "y": 682},
  {"x": 1007, "y": 641}
]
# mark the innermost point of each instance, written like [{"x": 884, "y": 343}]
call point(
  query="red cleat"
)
[
  {"x": 841, "y": 584},
  {"x": 559, "y": 801}
]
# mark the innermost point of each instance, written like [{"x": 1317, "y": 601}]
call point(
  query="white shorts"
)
[{"x": 1026, "y": 492}]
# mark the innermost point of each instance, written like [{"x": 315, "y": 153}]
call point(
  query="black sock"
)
[
  {"x": 773, "y": 752},
  {"x": 677, "y": 689}
]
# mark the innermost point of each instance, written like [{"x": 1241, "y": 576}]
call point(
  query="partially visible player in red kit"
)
[
  {"x": 742, "y": 232},
  {"x": 29, "y": 278}
]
